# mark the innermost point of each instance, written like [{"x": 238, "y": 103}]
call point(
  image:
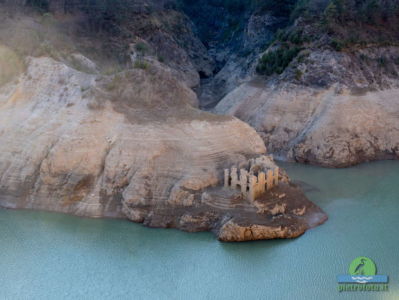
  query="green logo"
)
[
  {"x": 362, "y": 277},
  {"x": 362, "y": 266}
]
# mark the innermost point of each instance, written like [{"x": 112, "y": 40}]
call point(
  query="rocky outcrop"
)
[
  {"x": 133, "y": 145},
  {"x": 328, "y": 108},
  {"x": 171, "y": 40}
]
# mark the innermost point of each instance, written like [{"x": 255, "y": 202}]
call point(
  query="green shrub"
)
[
  {"x": 112, "y": 69},
  {"x": 141, "y": 47},
  {"x": 298, "y": 75},
  {"x": 277, "y": 61},
  {"x": 337, "y": 45},
  {"x": 48, "y": 49},
  {"x": 161, "y": 58},
  {"x": 296, "y": 37},
  {"x": 47, "y": 19},
  {"x": 331, "y": 13},
  {"x": 10, "y": 65},
  {"x": 139, "y": 64},
  {"x": 382, "y": 61},
  {"x": 281, "y": 35}
]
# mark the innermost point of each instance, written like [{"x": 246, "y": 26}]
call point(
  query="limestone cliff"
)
[
  {"x": 348, "y": 117},
  {"x": 121, "y": 146},
  {"x": 328, "y": 88}
]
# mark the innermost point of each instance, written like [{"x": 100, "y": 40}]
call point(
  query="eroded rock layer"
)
[
  {"x": 122, "y": 146},
  {"x": 328, "y": 108}
]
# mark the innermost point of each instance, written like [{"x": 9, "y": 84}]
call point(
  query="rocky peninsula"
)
[{"x": 99, "y": 146}]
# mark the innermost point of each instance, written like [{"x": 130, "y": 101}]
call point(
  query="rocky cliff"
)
[
  {"x": 317, "y": 79},
  {"x": 133, "y": 145},
  {"x": 343, "y": 109},
  {"x": 325, "y": 91}
]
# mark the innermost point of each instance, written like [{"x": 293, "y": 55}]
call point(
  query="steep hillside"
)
[
  {"x": 108, "y": 34},
  {"x": 325, "y": 90}
]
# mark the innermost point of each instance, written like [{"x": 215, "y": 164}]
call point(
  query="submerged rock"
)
[{"x": 134, "y": 146}]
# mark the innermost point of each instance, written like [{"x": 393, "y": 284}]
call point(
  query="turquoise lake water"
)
[{"x": 55, "y": 256}]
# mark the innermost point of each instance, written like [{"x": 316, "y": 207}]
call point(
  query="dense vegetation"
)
[
  {"x": 362, "y": 11},
  {"x": 101, "y": 13},
  {"x": 359, "y": 23},
  {"x": 361, "y": 20},
  {"x": 346, "y": 23},
  {"x": 276, "y": 61},
  {"x": 222, "y": 19},
  {"x": 371, "y": 12}
]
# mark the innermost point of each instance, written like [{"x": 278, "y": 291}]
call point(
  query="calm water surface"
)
[{"x": 54, "y": 256}]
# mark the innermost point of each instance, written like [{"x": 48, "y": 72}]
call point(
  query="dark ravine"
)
[{"x": 235, "y": 35}]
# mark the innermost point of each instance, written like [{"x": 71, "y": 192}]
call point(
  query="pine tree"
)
[{"x": 331, "y": 12}]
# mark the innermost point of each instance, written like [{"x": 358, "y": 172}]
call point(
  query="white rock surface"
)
[
  {"x": 353, "y": 117},
  {"x": 63, "y": 150},
  {"x": 131, "y": 145}
]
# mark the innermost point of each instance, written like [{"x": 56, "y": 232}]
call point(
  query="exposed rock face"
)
[
  {"x": 172, "y": 40},
  {"x": 132, "y": 145},
  {"x": 328, "y": 108}
]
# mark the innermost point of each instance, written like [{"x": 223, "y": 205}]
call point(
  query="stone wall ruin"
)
[{"x": 255, "y": 180}]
